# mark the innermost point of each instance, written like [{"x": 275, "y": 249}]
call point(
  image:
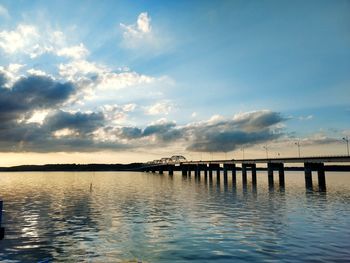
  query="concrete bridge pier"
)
[
  {"x": 230, "y": 167},
  {"x": 321, "y": 179},
  {"x": 281, "y": 175},
  {"x": 197, "y": 171},
  {"x": 210, "y": 172},
  {"x": 244, "y": 175},
  {"x": 319, "y": 167},
  {"x": 201, "y": 167},
  {"x": 218, "y": 173},
  {"x": 271, "y": 167},
  {"x": 183, "y": 170},
  {"x": 245, "y": 167},
  {"x": 308, "y": 177},
  {"x": 253, "y": 167},
  {"x": 225, "y": 174},
  {"x": 161, "y": 169},
  {"x": 171, "y": 169},
  {"x": 189, "y": 170},
  {"x": 234, "y": 172},
  {"x": 205, "y": 168},
  {"x": 212, "y": 167}
]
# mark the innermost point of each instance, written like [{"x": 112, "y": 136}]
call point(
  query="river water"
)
[{"x": 134, "y": 217}]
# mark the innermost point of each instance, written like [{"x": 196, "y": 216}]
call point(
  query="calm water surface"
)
[{"x": 128, "y": 217}]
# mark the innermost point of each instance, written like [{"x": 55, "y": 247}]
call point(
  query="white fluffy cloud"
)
[
  {"x": 34, "y": 42},
  {"x": 140, "y": 29},
  {"x": 140, "y": 34},
  {"x": 37, "y": 72},
  {"x": 98, "y": 76},
  {"x": 117, "y": 114},
  {"x": 74, "y": 52},
  {"x": 22, "y": 38},
  {"x": 160, "y": 108}
]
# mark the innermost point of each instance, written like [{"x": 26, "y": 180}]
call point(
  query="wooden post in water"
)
[{"x": 2, "y": 230}]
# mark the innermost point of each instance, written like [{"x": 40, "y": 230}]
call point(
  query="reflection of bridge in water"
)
[{"x": 310, "y": 164}]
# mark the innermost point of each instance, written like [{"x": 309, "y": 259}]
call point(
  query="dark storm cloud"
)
[
  {"x": 216, "y": 141},
  {"x": 29, "y": 94},
  {"x": 227, "y": 135},
  {"x": 130, "y": 132},
  {"x": 82, "y": 122},
  {"x": 158, "y": 128},
  {"x": 17, "y": 104},
  {"x": 163, "y": 132}
]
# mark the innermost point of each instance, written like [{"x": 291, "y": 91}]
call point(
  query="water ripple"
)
[{"x": 132, "y": 217}]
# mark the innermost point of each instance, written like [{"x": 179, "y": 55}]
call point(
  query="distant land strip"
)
[{"x": 127, "y": 167}]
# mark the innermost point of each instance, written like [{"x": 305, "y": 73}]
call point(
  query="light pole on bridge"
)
[
  {"x": 298, "y": 144},
  {"x": 267, "y": 153},
  {"x": 242, "y": 149},
  {"x": 346, "y": 139}
]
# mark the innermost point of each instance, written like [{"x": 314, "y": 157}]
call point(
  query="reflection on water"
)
[{"x": 159, "y": 218}]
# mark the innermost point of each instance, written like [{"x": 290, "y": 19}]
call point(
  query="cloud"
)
[
  {"x": 33, "y": 120},
  {"x": 138, "y": 30},
  {"x": 140, "y": 35},
  {"x": 37, "y": 72},
  {"x": 319, "y": 139},
  {"x": 31, "y": 93},
  {"x": 164, "y": 107},
  {"x": 306, "y": 118},
  {"x": 20, "y": 39},
  {"x": 4, "y": 12},
  {"x": 74, "y": 52},
  {"x": 34, "y": 42},
  {"x": 81, "y": 123},
  {"x": 159, "y": 133},
  {"x": 222, "y": 135},
  {"x": 218, "y": 134},
  {"x": 100, "y": 76},
  {"x": 10, "y": 72},
  {"x": 117, "y": 113}
]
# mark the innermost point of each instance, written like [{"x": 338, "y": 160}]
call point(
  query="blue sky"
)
[{"x": 203, "y": 76}]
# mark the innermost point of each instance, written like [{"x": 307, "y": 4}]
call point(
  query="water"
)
[{"x": 130, "y": 217}]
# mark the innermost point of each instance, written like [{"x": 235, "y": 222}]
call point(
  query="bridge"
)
[{"x": 308, "y": 165}]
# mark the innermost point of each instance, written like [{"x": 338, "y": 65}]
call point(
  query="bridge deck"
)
[{"x": 311, "y": 159}]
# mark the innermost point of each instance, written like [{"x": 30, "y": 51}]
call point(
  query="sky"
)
[{"x": 133, "y": 81}]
